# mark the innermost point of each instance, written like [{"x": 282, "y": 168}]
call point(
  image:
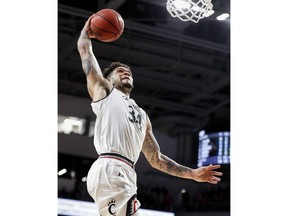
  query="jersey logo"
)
[
  {"x": 111, "y": 206},
  {"x": 135, "y": 116}
]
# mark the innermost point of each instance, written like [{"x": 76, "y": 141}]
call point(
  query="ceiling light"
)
[
  {"x": 61, "y": 172},
  {"x": 73, "y": 174},
  {"x": 183, "y": 191},
  {"x": 223, "y": 16}
]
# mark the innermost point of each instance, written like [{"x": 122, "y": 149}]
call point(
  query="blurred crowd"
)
[
  {"x": 216, "y": 198},
  {"x": 155, "y": 197}
]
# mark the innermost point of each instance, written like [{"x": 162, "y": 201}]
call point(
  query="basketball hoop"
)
[{"x": 192, "y": 10}]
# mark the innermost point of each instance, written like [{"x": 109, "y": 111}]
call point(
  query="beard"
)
[{"x": 127, "y": 85}]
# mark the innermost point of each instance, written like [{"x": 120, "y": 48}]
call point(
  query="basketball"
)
[{"x": 107, "y": 24}]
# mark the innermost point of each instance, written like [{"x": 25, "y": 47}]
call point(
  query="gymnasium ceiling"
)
[{"x": 181, "y": 69}]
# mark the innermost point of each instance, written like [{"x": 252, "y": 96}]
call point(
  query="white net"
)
[{"x": 192, "y": 10}]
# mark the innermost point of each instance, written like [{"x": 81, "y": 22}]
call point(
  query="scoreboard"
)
[{"x": 214, "y": 148}]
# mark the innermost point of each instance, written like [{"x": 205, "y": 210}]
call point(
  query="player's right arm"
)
[{"x": 98, "y": 87}]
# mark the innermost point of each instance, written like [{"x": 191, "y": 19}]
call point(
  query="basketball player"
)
[{"x": 122, "y": 131}]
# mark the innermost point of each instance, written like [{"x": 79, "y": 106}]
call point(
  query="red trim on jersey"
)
[{"x": 117, "y": 158}]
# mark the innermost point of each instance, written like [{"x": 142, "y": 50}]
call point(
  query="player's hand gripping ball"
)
[{"x": 107, "y": 25}]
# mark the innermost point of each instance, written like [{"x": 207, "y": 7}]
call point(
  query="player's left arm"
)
[{"x": 159, "y": 161}]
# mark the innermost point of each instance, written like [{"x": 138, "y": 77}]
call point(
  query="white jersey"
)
[{"x": 120, "y": 125}]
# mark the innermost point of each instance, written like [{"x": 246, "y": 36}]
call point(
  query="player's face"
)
[{"x": 122, "y": 77}]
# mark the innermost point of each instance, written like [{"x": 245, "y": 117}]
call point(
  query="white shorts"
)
[{"x": 111, "y": 182}]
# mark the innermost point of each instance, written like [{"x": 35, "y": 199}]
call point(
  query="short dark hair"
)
[{"x": 112, "y": 66}]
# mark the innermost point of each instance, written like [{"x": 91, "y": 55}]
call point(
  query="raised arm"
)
[
  {"x": 163, "y": 163},
  {"x": 97, "y": 85}
]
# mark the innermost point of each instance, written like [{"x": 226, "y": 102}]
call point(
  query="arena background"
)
[
  {"x": 29, "y": 107},
  {"x": 182, "y": 79}
]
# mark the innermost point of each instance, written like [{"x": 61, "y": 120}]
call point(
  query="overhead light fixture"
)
[
  {"x": 73, "y": 174},
  {"x": 62, "y": 172},
  {"x": 222, "y": 16},
  {"x": 183, "y": 191}
]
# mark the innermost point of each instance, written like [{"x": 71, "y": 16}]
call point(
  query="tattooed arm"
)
[
  {"x": 97, "y": 85},
  {"x": 163, "y": 163}
]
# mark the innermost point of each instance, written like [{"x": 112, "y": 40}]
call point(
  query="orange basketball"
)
[{"x": 107, "y": 24}]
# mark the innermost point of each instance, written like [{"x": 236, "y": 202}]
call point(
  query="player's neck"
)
[{"x": 124, "y": 90}]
